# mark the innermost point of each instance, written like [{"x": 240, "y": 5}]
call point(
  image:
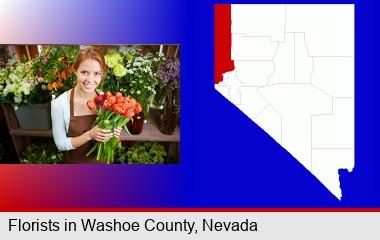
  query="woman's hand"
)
[
  {"x": 117, "y": 132},
  {"x": 100, "y": 135}
]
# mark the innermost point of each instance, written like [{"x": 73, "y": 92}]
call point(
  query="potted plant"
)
[
  {"x": 142, "y": 153},
  {"x": 42, "y": 153},
  {"x": 29, "y": 86},
  {"x": 169, "y": 75}
]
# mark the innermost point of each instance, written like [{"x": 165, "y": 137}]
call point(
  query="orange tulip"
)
[
  {"x": 119, "y": 108},
  {"x": 129, "y": 113},
  {"x": 132, "y": 102},
  {"x": 118, "y": 95},
  {"x": 107, "y": 94},
  {"x": 99, "y": 99},
  {"x": 111, "y": 100},
  {"x": 138, "y": 108},
  {"x": 107, "y": 105},
  {"x": 91, "y": 105},
  {"x": 120, "y": 100}
]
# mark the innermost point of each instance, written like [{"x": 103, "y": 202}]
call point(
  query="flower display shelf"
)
[
  {"x": 20, "y": 137},
  {"x": 151, "y": 130}
]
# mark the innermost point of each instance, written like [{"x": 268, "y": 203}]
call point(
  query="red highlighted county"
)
[{"x": 223, "y": 41}]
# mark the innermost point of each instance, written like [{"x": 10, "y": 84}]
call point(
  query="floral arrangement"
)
[
  {"x": 142, "y": 153},
  {"x": 45, "y": 152},
  {"x": 169, "y": 71},
  {"x": 39, "y": 80},
  {"x": 115, "y": 112},
  {"x": 16, "y": 83},
  {"x": 56, "y": 68},
  {"x": 133, "y": 73},
  {"x": 169, "y": 75}
]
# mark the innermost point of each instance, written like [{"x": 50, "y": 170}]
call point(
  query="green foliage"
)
[
  {"x": 42, "y": 153},
  {"x": 142, "y": 153}
]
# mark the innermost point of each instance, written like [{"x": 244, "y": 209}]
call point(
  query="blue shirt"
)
[{"x": 60, "y": 117}]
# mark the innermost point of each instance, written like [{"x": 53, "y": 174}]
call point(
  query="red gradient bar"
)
[
  {"x": 62, "y": 186},
  {"x": 189, "y": 209},
  {"x": 223, "y": 41}
]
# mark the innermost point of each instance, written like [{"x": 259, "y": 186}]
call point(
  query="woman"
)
[{"x": 71, "y": 118}]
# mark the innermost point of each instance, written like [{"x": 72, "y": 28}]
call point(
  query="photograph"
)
[{"x": 106, "y": 104}]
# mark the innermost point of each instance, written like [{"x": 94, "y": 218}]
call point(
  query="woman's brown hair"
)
[{"x": 90, "y": 52}]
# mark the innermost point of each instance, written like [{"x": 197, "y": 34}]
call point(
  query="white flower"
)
[
  {"x": 13, "y": 77},
  {"x": 138, "y": 92},
  {"x": 18, "y": 98},
  {"x": 19, "y": 69},
  {"x": 10, "y": 87}
]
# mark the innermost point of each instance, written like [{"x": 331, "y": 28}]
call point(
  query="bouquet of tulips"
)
[{"x": 115, "y": 112}]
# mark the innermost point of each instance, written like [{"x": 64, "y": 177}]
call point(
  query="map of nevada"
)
[{"x": 290, "y": 68}]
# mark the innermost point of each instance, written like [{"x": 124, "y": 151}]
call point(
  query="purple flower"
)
[{"x": 169, "y": 71}]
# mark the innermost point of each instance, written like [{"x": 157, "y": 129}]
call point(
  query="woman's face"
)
[{"x": 88, "y": 75}]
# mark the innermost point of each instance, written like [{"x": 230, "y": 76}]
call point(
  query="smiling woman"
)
[{"x": 71, "y": 118}]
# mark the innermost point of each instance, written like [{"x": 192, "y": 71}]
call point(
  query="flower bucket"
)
[
  {"x": 170, "y": 115},
  {"x": 34, "y": 117}
]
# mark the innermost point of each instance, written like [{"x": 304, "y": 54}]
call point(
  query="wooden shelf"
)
[
  {"x": 34, "y": 133},
  {"x": 151, "y": 131}
]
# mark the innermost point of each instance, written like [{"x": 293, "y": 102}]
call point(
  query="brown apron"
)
[{"x": 77, "y": 126}]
